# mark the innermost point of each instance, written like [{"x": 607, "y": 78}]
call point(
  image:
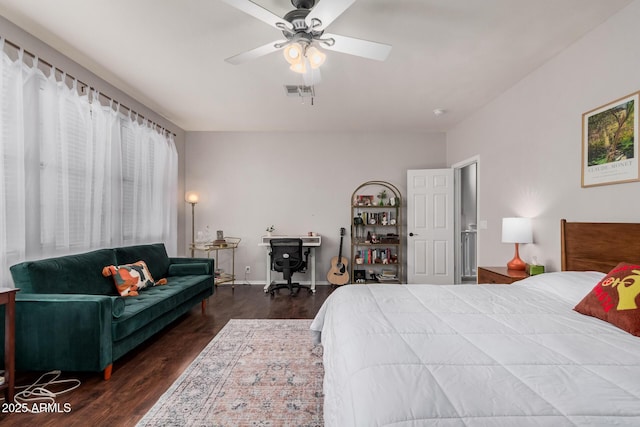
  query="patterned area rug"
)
[{"x": 253, "y": 373}]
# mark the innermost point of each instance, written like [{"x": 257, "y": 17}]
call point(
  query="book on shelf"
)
[{"x": 384, "y": 278}]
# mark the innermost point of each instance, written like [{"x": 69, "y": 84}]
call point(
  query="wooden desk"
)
[
  {"x": 8, "y": 299},
  {"x": 312, "y": 242}
]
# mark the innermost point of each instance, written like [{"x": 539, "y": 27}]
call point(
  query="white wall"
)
[
  {"x": 298, "y": 182},
  {"x": 529, "y": 143}
]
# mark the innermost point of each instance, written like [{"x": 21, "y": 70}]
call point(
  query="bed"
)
[{"x": 485, "y": 355}]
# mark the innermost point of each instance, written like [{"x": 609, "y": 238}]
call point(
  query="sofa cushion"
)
[
  {"x": 154, "y": 302},
  {"x": 117, "y": 306},
  {"x": 71, "y": 274},
  {"x": 188, "y": 268},
  {"x": 131, "y": 278},
  {"x": 155, "y": 255}
]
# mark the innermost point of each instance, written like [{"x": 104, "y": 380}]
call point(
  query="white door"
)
[{"x": 430, "y": 226}]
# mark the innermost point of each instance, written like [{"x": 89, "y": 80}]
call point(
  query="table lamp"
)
[
  {"x": 192, "y": 198},
  {"x": 516, "y": 230}
]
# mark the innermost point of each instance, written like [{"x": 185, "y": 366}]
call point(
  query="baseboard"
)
[{"x": 262, "y": 283}]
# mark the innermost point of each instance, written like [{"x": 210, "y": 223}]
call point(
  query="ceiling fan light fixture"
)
[
  {"x": 316, "y": 57},
  {"x": 299, "y": 67},
  {"x": 293, "y": 53}
]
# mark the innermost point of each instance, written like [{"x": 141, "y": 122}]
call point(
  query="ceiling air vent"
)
[{"x": 300, "y": 91}]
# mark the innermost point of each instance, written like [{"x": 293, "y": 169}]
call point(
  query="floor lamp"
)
[
  {"x": 192, "y": 198},
  {"x": 516, "y": 230}
]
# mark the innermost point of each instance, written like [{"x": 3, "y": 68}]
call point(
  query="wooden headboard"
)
[{"x": 598, "y": 246}]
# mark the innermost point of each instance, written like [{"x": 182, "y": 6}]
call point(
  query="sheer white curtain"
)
[
  {"x": 149, "y": 171},
  {"x": 76, "y": 175},
  {"x": 12, "y": 166}
]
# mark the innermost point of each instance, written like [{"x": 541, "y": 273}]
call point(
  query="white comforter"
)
[{"x": 471, "y": 355}]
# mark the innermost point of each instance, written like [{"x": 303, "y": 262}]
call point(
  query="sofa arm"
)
[
  {"x": 69, "y": 332},
  {"x": 188, "y": 266}
]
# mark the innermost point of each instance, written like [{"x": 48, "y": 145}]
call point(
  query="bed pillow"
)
[
  {"x": 568, "y": 286},
  {"x": 616, "y": 298},
  {"x": 131, "y": 278}
]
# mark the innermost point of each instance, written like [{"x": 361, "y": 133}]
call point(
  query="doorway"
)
[
  {"x": 442, "y": 216},
  {"x": 466, "y": 220}
]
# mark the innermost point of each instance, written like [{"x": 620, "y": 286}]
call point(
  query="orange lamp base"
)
[{"x": 516, "y": 263}]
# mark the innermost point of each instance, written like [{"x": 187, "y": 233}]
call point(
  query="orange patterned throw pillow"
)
[
  {"x": 616, "y": 298},
  {"x": 130, "y": 278}
]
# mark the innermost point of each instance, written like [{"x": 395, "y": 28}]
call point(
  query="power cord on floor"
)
[{"x": 27, "y": 396}]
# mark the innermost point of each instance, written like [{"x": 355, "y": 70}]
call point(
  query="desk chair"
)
[{"x": 287, "y": 257}]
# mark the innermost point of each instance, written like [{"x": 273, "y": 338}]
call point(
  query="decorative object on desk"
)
[
  {"x": 610, "y": 143},
  {"x": 270, "y": 229},
  {"x": 219, "y": 235},
  {"x": 338, "y": 274},
  {"x": 516, "y": 230},
  {"x": 382, "y": 196},
  {"x": 192, "y": 198}
]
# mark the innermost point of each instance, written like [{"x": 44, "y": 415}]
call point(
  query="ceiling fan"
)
[{"x": 304, "y": 31}]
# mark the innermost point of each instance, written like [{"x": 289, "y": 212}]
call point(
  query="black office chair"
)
[{"x": 287, "y": 257}]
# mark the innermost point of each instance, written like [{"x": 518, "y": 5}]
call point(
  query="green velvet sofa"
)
[{"x": 70, "y": 317}]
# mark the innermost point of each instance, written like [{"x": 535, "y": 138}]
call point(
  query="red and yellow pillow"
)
[
  {"x": 616, "y": 298},
  {"x": 130, "y": 278}
]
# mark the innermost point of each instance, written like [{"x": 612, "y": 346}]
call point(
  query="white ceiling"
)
[{"x": 456, "y": 55}]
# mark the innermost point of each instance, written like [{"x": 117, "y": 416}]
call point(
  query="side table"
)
[
  {"x": 499, "y": 275},
  {"x": 229, "y": 243},
  {"x": 8, "y": 299}
]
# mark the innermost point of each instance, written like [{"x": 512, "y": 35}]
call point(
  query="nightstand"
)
[{"x": 499, "y": 275}]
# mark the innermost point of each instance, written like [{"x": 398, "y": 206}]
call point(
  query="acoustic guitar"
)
[{"x": 339, "y": 275}]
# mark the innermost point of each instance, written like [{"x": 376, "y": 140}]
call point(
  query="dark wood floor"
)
[{"x": 143, "y": 375}]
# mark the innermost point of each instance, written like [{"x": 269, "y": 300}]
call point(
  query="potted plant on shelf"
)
[{"x": 382, "y": 196}]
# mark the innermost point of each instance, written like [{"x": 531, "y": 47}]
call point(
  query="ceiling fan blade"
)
[
  {"x": 259, "y": 12},
  {"x": 256, "y": 53},
  {"x": 327, "y": 11},
  {"x": 358, "y": 47}
]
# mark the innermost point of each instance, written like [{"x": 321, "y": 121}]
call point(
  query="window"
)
[{"x": 76, "y": 175}]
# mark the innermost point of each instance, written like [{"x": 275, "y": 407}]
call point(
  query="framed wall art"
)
[{"x": 610, "y": 143}]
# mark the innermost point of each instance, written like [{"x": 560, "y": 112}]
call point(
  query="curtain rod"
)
[{"x": 86, "y": 86}]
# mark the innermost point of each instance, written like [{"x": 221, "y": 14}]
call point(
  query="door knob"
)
[{"x": 411, "y": 234}]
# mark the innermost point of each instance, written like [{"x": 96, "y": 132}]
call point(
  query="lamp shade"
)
[
  {"x": 517, "y": 230},
  {"x": 293, "y": 53},
  {"x": 191, "y": 197},
  {"x": 316, "y": 57}
]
